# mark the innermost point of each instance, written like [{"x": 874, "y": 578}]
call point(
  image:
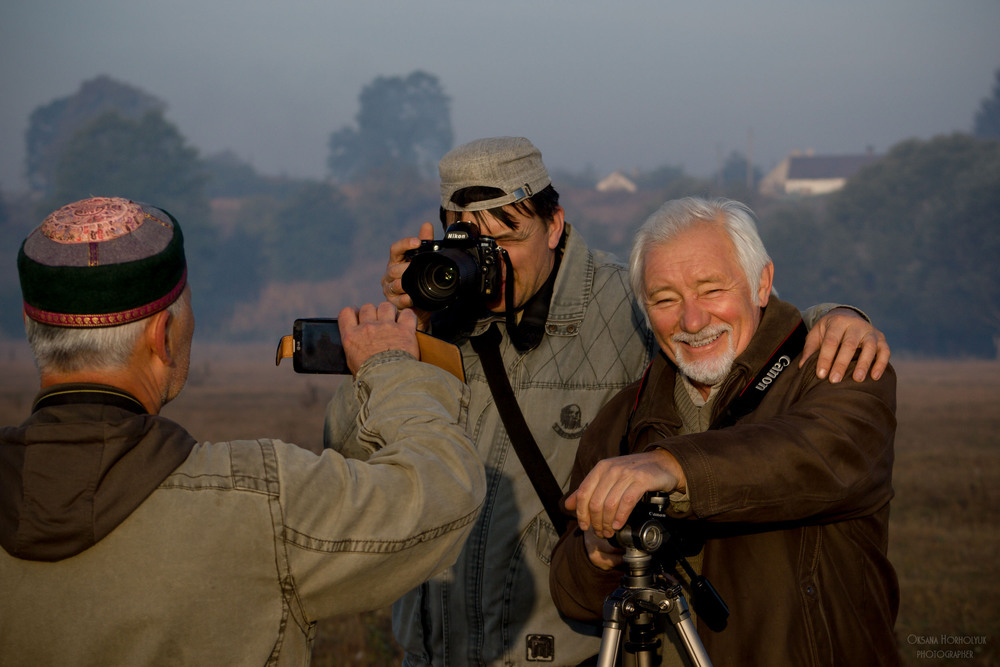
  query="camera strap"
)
[
  {"x": 753, "y": 393},
  {"x": 487, "y": 346}
]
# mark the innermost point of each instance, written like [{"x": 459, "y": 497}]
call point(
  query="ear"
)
[
  {"x": 766, "y": 282},
  {"x": 158, "y": 336},
  {"x": 556, "y": 226}
]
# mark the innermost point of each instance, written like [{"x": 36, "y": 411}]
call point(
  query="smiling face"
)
[
  {"x": 699, "y": 302},
  {"x": 531, "y": 247}
]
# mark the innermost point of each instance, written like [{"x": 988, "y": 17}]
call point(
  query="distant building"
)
[
  {"x": 808, "y": 174},
  {"x": 616, "y": 182}
]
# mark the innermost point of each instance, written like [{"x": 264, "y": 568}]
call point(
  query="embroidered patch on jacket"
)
[
  {"x": 570, "y": 424},
  {"x": 540, "y": 648}
]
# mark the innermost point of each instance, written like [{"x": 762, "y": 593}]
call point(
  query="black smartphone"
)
[{"x": 318, "y": 348}]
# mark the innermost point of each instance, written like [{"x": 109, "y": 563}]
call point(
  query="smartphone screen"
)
[{"x": 318, "y": 348}]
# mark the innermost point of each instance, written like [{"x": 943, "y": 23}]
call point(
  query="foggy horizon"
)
[{"x": 639, "y": 86}]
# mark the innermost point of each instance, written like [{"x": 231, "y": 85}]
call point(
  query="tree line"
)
[{"x": 912, "y": 239}]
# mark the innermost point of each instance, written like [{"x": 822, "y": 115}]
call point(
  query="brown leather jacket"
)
[{"x": 793, "y": 501}]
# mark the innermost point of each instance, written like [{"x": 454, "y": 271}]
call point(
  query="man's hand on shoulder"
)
[{"x": 838, "y": 335}]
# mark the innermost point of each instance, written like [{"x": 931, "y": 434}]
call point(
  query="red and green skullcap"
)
[{"x": 100, "y": 262}]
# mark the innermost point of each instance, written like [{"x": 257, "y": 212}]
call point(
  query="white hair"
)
[
  {"x": 679, "y": 215},
  {"x": 69, "y": 349}
]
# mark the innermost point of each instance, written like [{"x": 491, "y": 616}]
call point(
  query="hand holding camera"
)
[
  {"x": 392, "y": 284},
  {"x": 462, "y": 267}
]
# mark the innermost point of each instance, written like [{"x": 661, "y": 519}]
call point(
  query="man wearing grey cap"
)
[
  {"x": 574, "y": 339},
  {"x": 126, "y": 542}
]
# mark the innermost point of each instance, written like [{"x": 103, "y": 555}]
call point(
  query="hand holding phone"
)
[
  {"x": 316, "y": 346},
  {"x": 372, "y": 329}
]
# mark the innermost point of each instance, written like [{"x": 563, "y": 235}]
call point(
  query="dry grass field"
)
[{"x": 945, "y": 532}]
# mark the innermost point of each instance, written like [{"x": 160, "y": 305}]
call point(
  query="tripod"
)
[{"x": 643, "y": 597}]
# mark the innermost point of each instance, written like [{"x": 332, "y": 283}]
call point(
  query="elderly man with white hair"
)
[{"x": 784, "y": 478}]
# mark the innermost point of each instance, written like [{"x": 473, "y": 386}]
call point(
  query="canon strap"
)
[
  {"x": 752, "y": 394},
  {"x": 487, "y": 346}
]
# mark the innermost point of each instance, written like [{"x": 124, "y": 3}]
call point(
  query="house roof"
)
[{"x": 811, "y": 167}]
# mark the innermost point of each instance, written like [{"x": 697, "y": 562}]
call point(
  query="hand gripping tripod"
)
[{"x": 647, "y": 594}]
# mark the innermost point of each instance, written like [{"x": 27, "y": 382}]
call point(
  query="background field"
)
[{"x": 945, "y": 528}]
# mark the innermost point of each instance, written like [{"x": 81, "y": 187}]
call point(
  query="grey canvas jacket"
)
[
  {"x": 493, "y": 606},
  {"x": 239, "y": 550},
  {"x": 794, "y": 501}
]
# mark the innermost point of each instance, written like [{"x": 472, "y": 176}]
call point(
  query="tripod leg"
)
[
  {"x": 610, "y": 641},
  {"x": 689, "y": 635}
]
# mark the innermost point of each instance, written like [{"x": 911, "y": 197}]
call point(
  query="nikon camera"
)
[{"x": 462, "y": 266}]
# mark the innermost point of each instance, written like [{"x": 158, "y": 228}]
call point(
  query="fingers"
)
[
  {"x": 426, "y": 232},
  {"x": 347, "y": 319},
  {"x": 600, "y": 551},
  {"x": 882, "y": 356},
  {"x": 372, "y": 329},
  {"x": 813, "y": 339},
  {"x": 610, "y": 492},
  {"x": 407, "y": 318},
  {"x": 842, "y": 350},
  {"x": 392, "y": 279},
  {"x": 839, "y": 335}
]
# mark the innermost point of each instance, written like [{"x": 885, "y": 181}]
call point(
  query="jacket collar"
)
[
  {"x": 86, "y": 393},
  {"x": 571, "y": 291}
]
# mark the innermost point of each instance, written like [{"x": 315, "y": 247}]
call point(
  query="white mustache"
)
[{"x": 703, "y": 337}]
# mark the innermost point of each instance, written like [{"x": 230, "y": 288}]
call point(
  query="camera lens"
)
[
  {"x": 442, "y": 278},
  {"x": 437, "y": 279}
]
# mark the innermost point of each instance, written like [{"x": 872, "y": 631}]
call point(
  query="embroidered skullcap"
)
[
  {"x": 511, "y": 164},
  {"x": 101, "y": 262}
]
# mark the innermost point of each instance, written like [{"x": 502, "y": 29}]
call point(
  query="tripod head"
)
[{"x": 650, "y": 538}]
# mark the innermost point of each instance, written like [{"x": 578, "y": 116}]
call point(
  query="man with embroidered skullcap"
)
[
  {"x": 127, "y": 542},
  {"x": 569, "y": 336}
]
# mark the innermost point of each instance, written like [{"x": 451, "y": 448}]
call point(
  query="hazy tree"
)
[
  {"x": 392, "y": 204},
  {"x": 660, "y": 177},
  {"x": 230, "y": 176},
  {"x": 144, "y": 160},
  {"x": 311, "y": 236},
  {"x": 148, "y": 160},
  {"x": 738, "y": 177},
  {"x": 51, "y": 126},
  {"x": 584, "y": 179},
  {"x": 918, "y": 237},
  {"x": 402, "y": 122},
  {"x": 987, "y": 120}
]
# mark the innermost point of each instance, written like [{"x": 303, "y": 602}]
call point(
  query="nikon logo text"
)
[{"x": 773, "y": 373}]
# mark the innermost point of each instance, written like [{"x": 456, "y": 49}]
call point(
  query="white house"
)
[{"x": 808, "y": 174}]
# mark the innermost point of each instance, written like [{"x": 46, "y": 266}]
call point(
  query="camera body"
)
[{"x": 460, "y": 267}]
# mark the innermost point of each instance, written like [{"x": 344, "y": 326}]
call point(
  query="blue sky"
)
[{"x": 630, "y": 84}]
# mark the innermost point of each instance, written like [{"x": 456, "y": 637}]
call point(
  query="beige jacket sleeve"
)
[{"x": 361, "y": 533}]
